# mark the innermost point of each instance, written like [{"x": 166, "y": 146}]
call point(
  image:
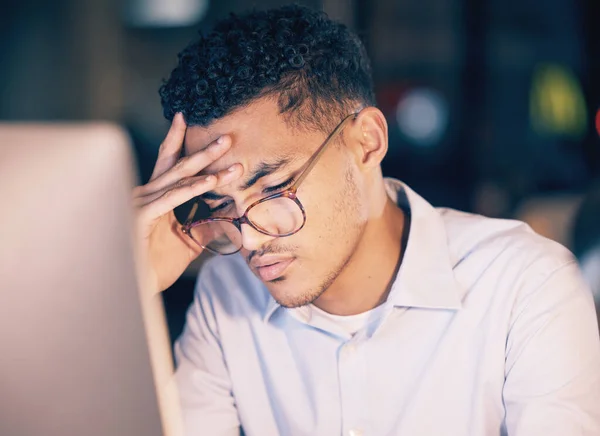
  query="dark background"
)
[{"x": 491, "y": 103}]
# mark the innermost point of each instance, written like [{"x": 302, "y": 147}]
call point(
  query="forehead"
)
[{"x": 258, "y": 132}]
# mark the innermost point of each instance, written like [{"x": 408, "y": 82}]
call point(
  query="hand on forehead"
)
[{"x": 257, "y": 134}]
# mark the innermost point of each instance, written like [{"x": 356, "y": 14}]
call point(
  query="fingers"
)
[
  {"x": 170, "y": 149},
  {"x": 164, "y": 201},
  {"x": 146, "y": 199},
  {"x": 187, "y": 167}
]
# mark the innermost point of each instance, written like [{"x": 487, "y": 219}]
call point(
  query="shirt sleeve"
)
[
  {"x": 552, "y": 384},
  {"x": 207, "y": 402}
]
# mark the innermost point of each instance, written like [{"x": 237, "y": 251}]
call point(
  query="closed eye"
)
[
  {"x": 219, "y": 207},
  {"x": 280, "y": 187},
  {"x": 269, "y": 190}
]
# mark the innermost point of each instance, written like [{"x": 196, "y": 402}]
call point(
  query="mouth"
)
[{"x": 274, "y": 270}]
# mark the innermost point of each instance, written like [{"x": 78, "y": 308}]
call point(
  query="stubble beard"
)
[{"x": 349, "y": 200}]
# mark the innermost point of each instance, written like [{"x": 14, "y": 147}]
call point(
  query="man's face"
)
[{"x": 296, "y": 269}]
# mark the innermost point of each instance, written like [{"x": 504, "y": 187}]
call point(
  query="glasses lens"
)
[
  {"x": 279, "y": 216},
  {"x": 220, "y": 237}
]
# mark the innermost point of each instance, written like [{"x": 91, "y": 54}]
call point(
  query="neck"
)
[{"x": 366, "y": 280}]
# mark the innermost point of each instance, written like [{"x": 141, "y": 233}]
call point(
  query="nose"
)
[{"x": 252, "y": 239}]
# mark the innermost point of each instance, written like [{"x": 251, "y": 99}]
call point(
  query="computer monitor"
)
[{"x": 75, "y": 359}]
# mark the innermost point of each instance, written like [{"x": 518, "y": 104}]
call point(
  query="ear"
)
[{"x": 370, "y": 138}]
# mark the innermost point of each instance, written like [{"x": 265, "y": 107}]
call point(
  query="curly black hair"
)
[{"x": 315, "y": 68}]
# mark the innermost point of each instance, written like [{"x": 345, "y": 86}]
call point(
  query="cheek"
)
[
  {"x": 334, "y": 216},
  {"x": 349, "y": 208}
]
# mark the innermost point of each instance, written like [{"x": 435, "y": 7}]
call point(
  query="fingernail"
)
[
  {"x": 218, "y": 143},
  {"x": 232, "y": 168}
]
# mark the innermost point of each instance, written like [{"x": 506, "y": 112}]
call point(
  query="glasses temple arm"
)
[{"x": 311, "y": 163}]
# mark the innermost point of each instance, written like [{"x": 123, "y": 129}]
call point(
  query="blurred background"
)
[{"x": 493, "y": 105}]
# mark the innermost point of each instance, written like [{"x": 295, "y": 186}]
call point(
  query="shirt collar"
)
[
  {"x": 425, "y": 278},
  {"x": 272, "y": 306}
]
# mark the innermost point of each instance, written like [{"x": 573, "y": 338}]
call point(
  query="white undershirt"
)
[{"x": 349, "y": 323}]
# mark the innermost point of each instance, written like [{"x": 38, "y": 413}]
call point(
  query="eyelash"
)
[
  {"x": 279, "y": 187},
  {"x": 218, "y": 208},
  {"x": 269, "y": 190}
]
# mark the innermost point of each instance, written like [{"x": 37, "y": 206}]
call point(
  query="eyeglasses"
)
[{"x": 276, "y": 215}]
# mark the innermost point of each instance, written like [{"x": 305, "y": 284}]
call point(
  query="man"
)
[{"x": 343, "y": 303}]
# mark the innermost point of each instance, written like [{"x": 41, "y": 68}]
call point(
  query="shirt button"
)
[{"x": 355, "y": 432}]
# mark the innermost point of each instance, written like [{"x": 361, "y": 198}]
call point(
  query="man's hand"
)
[{"x": 167, "y": 251}]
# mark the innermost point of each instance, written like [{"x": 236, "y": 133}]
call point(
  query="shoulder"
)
[
  {"x": 224, "y": 271},
  {"x": 505, "y": 264},
  {"x": 508, "y": 250}
]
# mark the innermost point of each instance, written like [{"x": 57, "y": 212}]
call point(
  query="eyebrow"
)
[{"x": 262, "y": 170}]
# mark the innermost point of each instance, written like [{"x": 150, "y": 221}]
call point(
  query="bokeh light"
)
[
  {"x": 557, "y": 104},
  {"x": 422, "y": 115},
  {"x": 163, "y": 13}
]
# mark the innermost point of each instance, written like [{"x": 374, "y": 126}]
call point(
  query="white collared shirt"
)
[
  {"x": 488, "y": 329},
  {"x": 351, "y": 324}
]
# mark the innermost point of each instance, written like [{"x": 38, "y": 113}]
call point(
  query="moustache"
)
[{"x": 271, "y": 249}]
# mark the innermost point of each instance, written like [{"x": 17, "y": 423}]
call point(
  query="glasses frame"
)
[{"x": 290, "y": 193}]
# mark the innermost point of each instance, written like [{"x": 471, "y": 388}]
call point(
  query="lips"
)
[{"x": 271, "y": 270}]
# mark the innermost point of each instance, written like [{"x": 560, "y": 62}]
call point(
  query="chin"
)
[
  {"x": 293, "y": 293},
  {"x": 292, "y": 302}
]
